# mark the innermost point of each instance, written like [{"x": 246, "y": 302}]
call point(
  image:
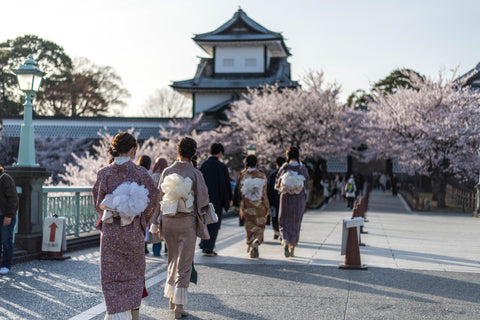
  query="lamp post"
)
[
  {"x": 29, "y": 79},
  {"x": 28, "y": 175},
  {"x": 251, "y": 150}
]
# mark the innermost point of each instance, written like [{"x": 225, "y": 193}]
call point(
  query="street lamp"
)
[
  {"x": 251, "y": 150},
  {"x": 29, "y": 79}
]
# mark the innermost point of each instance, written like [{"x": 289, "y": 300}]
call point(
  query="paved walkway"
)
[{"x": 420, "y": 266}]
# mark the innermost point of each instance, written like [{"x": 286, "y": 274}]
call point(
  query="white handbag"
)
[{"x": 211, "y": 216}]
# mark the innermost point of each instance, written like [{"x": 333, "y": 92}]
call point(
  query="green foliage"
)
[
  {"x": 49, "y": 56},
  {"x": 398, "y": 78},
  {"x": 68, "y": 89},
  {"x": 358, "y": 99}
]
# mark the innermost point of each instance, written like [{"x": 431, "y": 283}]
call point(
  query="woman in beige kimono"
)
[
  {"x": 254, "y": 206},
  {"x": 183, "y": 200}
]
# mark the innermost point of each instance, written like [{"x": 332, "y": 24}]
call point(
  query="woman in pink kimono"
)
[
  {"x": 183, "y": 200},
  {"x": 254, "y": 206},
  {"x": 291, "y": 182},
  {"x": 125, "y": 197}
]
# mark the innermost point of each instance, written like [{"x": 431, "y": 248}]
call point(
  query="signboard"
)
[
  {"x": 54, "y": 234},
  {"x": 347, "y": 224}
]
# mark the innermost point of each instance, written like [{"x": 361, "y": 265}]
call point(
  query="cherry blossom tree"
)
[
  {"x": 310, "y": 118},
  {"x": 432, "y": 130},
  {"x": 82, "y": 171},
  {"x": 53, "y": 153}
]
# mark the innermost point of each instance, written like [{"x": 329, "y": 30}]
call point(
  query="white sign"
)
[
  {"x": 347, "y": 224},
  {"x": 54, "y": 234}
]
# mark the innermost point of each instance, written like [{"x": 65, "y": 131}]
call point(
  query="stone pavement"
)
[{"x": 420, "y": 266}]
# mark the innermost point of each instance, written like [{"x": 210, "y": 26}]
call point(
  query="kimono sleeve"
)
[
  {"x": 153, "y": 195},
  {"x": 201, "y": 193},
  {"x": 157, "y": 213},
  {"x": 265, "y": 194},
  {"x": 280, "y": 172},
  {"x": 99, "y": 192}
]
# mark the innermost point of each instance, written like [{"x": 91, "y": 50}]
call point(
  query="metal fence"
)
[{"x": 73, "y": 203}]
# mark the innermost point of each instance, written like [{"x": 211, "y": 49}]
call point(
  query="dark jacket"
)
[
  {"x": 273, "y": 195},
  {"x": 217, "y": 179},
  {"x": 8, "y": 196}
]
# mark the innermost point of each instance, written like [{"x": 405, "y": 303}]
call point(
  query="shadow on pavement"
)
[{"x": 415, "y": 285}]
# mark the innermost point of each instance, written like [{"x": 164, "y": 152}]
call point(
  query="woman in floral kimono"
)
[
  {"x": 183, "y": 200},
  {"x": 254, "y": 206},
  {"x": 125, "y": 197},
  {"x": 291, "y": 182}
]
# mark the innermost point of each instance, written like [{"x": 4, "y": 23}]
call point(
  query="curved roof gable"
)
[{"x": 239, "y": 28}]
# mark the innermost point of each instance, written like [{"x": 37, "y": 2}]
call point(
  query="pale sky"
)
[{"x": 354, "y": 42}]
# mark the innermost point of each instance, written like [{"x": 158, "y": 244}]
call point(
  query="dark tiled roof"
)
[
  {"x": 240, "y": 28},
  {"x": 470, "y": 76},
  {"x": 279, "y": 73},
  {"x": 85, "y": 127}
]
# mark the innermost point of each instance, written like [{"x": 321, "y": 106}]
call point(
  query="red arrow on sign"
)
[{"x": 52, "y": 227}]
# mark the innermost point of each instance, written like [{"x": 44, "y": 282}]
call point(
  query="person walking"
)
[
  {"x": 160, "y": 165},
  {"x": 291, "y": 181},
  {"x": 8, "y": 212},
  {"x": 125, "y": 196},
  {"x": 183, "y": 200},
  {"x": 326, "y": 192},
  {"x": 350, "y": 192},
  {"x": 274, "y": 197},
  {"x": 217, "y": 179},
  {"x": 146, "y": 162},
  {"x": 254, "y": 206}
]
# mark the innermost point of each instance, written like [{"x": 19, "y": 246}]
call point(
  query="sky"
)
[{"x": 355, "y": 43}]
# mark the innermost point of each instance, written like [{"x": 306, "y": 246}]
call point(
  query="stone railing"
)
[{"x": 73, "y": 203}]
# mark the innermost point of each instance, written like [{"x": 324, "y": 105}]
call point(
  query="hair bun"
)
[{"x": 114, "y": 153}]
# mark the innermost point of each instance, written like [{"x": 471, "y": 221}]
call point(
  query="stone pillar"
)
[{"x": 30, "y": 218}]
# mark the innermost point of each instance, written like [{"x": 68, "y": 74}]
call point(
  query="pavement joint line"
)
[
  {"x": 388, "y": 241},
  {"x": 323, "y": 242},
  {"x": 100, "y": 308},
  {"x": 346, "y": 302}
]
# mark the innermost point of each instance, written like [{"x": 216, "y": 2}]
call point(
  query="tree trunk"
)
[{"x": 439, "y": 189}]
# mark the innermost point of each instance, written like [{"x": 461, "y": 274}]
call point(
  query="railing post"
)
[
  {"x": 77, "y": 216},
  {"x": 45, "y": 205}
]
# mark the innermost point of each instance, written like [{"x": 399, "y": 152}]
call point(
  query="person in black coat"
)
[
  {"x": 274, "y": 197},
  {"x": 217, "y": 179},
  {"x": 8, "y": 212}
]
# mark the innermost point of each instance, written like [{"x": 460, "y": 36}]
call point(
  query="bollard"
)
[
  {"x": 356, "y": 214},
  {"x": 363, "y": 210},
  {"x": 351, "y": 248}
]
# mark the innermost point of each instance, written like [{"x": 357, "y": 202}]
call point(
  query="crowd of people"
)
[{"x": 173, "y": 204}]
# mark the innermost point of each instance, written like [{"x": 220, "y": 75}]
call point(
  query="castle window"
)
[
  {"x": 250, "y": 62},
  {"x": 228, "y": 62}
]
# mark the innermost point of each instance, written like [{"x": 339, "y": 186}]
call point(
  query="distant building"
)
[{"x": 243, "y": 54}]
